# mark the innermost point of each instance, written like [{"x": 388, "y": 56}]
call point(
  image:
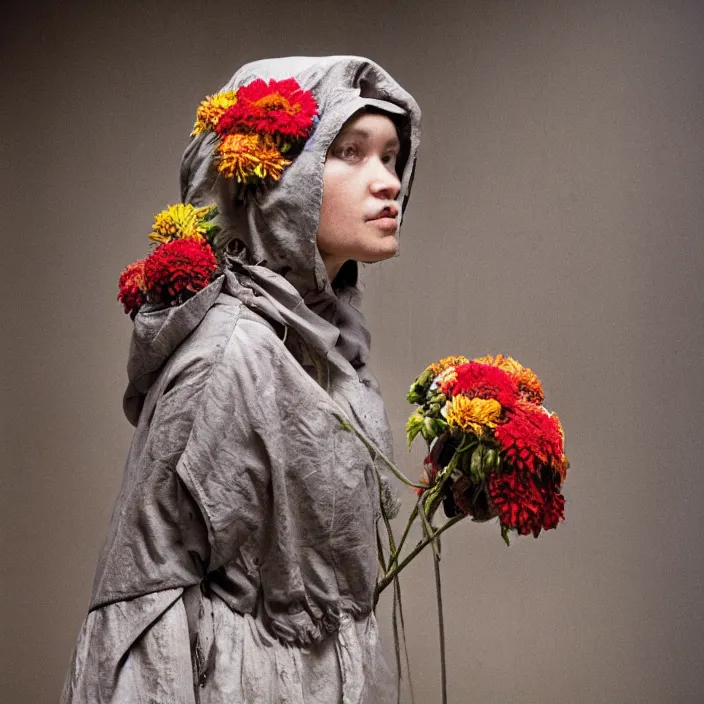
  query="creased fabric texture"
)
[
  {"x": 240, "y": 560},
  {"x": 248, "y": 664}
]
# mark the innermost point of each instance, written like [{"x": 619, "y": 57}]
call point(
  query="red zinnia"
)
[
  {"x": 553, "y": 507},
  {"x": 531, "y": 438},
  {"x": 177, "y": 270},
  {"x": 522, "y": 505},
  {"x": 279, "y": 107},
  {"x": 482, "y": 381},
  {"x": 131, "y": 288}
]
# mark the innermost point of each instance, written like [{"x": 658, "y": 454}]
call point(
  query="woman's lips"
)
[{"x": 384, "y": 223}]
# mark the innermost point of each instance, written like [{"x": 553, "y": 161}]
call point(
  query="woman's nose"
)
[{"x": 385, "y": 183}]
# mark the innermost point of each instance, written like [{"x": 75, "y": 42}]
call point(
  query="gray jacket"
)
[{"x": 239, "y": 476}]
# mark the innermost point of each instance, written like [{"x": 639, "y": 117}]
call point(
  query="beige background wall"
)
[{"x": 556, "y": 216}]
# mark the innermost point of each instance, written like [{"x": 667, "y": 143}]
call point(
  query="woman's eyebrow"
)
[{"x": 367, "y": 135}]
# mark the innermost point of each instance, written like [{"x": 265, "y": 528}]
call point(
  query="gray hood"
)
[
  {"x": 280, "y": 274},
  {"x": 281, "y": 225}
]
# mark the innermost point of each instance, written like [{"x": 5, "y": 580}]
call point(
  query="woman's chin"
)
[
  {"x": 377, "y": 259},
  {"x": 384, "y": 249}
]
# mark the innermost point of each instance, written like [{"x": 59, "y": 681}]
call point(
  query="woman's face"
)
[{"x": 359, "y": 212}]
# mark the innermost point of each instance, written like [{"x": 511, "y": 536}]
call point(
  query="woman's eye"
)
[{"x": 348, "y": 151}]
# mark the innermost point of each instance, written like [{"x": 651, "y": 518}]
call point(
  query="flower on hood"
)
[
  {"x": 257, "y": 124},
  {"x": 211, "y": 110},
  {"x": 177, "y": 270},
  {"x": 180, "y": 222},
  {"x": 131, "y": 287},
  {"x": 429, "y": 378},
  {"x": 250, "y": 157},
  {"x": 531, "y": 439},
  {"x": 277, "y": 108}
]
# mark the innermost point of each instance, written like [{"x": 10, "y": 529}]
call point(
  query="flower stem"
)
[
  {"x": 378, "y": 453},
  {"x": 441, "y": 627},
  {"x": 393, "y": 559},
  {"x": 394, "y": 570}
]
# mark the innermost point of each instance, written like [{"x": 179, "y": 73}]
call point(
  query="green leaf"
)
[
  {"x": 210, "y": 214},
  {"x": 429, "y": 425},
  {"x": 489, "y": 459},
  {"x": 413, "y": 426},
  {"x": 475, "y": 464},
  {"x": 419, "y": 388},
  {"x": 504, "y": 535}
]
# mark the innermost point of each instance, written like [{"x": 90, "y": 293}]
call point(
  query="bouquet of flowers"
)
[
  {"x": 499, "y": 452},
  {"x": 494, "y": 451}
]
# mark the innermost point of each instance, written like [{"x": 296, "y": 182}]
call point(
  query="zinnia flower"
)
[
  {"x": 482, "y": 381},
  {"x": 177, "y": 270},
  {"x": 473, "y": 414},
  {"x": 445, "y": 363},
  {"x": 445, "y": 377},
  {"x": 131, "y": 288},
  {"x": 553, "y": 507},
  {"x": 277, "y": 108},
  {"x": 250, "y": 157},
  {"x": 519, "y": 502},
  {"x": 528, "y": 383},
  {"x": 211, "y": 110},
  {"x": 531, "y": 438},
  {"x": 179, "y": 222}
]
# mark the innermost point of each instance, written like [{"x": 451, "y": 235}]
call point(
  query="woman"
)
[{"x": 241, "y": 558}]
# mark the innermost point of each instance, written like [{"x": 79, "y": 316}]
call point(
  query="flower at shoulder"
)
[
  {"x": 177, "y": 270},
  {"x": 181, "y": 222},
  {"x": 182, "y": 264},
  {"x": 132, "y": 293}
]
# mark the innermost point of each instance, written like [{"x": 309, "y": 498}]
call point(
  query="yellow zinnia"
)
[
  {"x": 179, "y": 222},
  {"x": 211, "y": 109},
  {"x": 445, "y": 363},
  {"x": 473, "y": 414},
  {"x": 250, "y": 157}
]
